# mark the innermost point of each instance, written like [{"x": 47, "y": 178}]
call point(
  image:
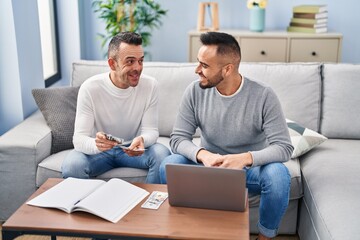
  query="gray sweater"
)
[{"x": 250, "y": 120}]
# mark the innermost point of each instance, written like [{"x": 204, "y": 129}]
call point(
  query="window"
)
[{"x": 49, "y": 41}]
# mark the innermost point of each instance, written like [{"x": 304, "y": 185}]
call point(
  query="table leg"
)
[{"x": 10, "y": 235}]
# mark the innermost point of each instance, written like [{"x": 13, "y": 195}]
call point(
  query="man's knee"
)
[
  {"x": 278, "y": 176},
  {"x": 171, "y": 159},
  {"x": 159, "y": 152},
  {"x": 74, "y": 166},
  {"x": 175, "y": 159}
]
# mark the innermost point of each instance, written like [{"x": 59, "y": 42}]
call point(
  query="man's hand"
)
[
  {"x": 136, "y": 147},
  {"x": 234, "y": 161},
  {"x": 209, "y": 159},
  {"x": 102, "y": 143}
]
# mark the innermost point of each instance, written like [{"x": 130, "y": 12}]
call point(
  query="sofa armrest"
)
[{"x": 21, "y": 149}]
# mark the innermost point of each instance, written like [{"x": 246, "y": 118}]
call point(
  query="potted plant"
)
[{"x": 140, "y": 16}]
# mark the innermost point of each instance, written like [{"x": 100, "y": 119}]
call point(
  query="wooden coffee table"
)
[{"x": 166, "y": 222}]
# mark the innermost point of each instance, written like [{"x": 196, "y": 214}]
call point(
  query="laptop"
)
[{"x": 206, "y": 187}]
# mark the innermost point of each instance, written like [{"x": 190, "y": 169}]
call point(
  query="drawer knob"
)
[
  {"x": 313, "y": 53},
  {"x": 263, "y": 52}
]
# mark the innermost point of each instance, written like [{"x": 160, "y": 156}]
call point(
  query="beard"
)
[{"x": 211, "y": 82}]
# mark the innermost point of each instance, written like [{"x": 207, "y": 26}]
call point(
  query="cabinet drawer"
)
[
  {"x": 314, "y": 50},
  {"x": 263, "y": 50}
]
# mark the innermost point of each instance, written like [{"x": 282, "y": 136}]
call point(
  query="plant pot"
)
[{"x": 257, "y": 19}]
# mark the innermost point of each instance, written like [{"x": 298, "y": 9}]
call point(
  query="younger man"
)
[{"x": 242, "y": 127}]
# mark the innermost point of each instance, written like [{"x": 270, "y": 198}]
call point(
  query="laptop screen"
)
[{"x": 206, "y": 187}]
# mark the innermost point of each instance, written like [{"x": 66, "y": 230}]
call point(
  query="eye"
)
[
  {"x": 204, "y": 66},
  {"x": 130, "y": 62},
  {"x": 141, "y": 61}
]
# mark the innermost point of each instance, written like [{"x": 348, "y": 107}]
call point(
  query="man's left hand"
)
[{"x": 234, "y": 161}]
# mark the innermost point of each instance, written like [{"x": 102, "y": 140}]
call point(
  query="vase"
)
[{"x": 257, "y": 19}]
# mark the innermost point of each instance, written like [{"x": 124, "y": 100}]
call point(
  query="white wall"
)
[
  {"x": 21, "y": 64},
  {"x": 20, "y": 58},
  {"x": 69, "y": 37},
  {"x": 29, "y": 51},
  {"x": 170, "y": 43},
  {"x": 10, "y": 93}
]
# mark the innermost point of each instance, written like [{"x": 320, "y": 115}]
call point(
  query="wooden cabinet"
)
[
  {"x": 315, "y": 50},
  {"x": 279, "y": 46},
  {"x": 263, "y": 49}
]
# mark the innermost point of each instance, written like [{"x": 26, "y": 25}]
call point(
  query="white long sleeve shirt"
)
[{"x": 124, "y": 113}]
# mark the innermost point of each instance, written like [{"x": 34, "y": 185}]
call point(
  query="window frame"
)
[{"x": 57, "y": 75}]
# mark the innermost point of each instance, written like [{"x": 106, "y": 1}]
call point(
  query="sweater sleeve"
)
[
  {"x": 185, "y": 127},
  {"x": 276, "y": 132},
  {"x": 84, "y": 125},
  {"x": 149, "y": 123}
]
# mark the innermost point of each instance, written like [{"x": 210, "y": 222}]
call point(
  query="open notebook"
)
[{"x": 109, "y": 200}]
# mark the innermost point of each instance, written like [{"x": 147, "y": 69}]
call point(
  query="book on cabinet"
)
[
  {"x": 310, "y": 9},
  {"x": 309, "y": 21},
  {"x": 311, "y": 15},
  {"x": 321, "y": 25},
  {"x": 307, "y": 30}
]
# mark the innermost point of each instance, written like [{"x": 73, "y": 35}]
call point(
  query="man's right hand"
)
[
  {"x": 208, "y": 158},
  {"x": 102, "y": 143}
]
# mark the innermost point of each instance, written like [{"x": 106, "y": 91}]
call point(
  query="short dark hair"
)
[
  {"x": 125, "y": 37},
  {"x": 226, "y": 43}
]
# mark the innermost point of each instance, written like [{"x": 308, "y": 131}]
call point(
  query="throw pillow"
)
[
  {"x": 303, "y": 139},
  {"x": 58, "y": 106}
]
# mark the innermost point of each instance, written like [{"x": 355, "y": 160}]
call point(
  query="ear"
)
[
  {"x": 112, "y": 63},
  {"x": 227, "y": 70}
]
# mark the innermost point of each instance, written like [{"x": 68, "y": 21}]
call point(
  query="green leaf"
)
[{"x": 147, "y": 15}]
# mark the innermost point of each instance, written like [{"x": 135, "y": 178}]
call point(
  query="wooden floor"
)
[{"x": 35, "y": 237}]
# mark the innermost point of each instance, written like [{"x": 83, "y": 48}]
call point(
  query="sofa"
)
[{"x": 320, "y": 97}]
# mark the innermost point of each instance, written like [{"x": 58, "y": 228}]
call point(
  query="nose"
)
[
  {"x": 138, "y": 66},
  {"x": 197, "y": 69}
]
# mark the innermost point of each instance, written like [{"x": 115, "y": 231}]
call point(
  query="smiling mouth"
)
[
  {"x": 134, "y": 75},
  {"x": 203, "y": 78}
]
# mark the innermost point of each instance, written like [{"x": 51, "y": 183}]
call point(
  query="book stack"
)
[{"x": 309, "y": 19}]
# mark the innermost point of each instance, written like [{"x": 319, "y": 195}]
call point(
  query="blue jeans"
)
[
  {"x": 80, "y": 165},
  {"x": 271, "y": 182}
]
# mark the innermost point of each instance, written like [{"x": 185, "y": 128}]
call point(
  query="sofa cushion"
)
[
  {"x": 84, "y": 69},
  {"x": 58, "y": 106},
  {"x": 341, "y": 104},
  {"x": 303, "y": 139},
  {"x": 169, "y": 76},
  {"x": 331, "y": 183},
  {"x": 297, "y": 85}
]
